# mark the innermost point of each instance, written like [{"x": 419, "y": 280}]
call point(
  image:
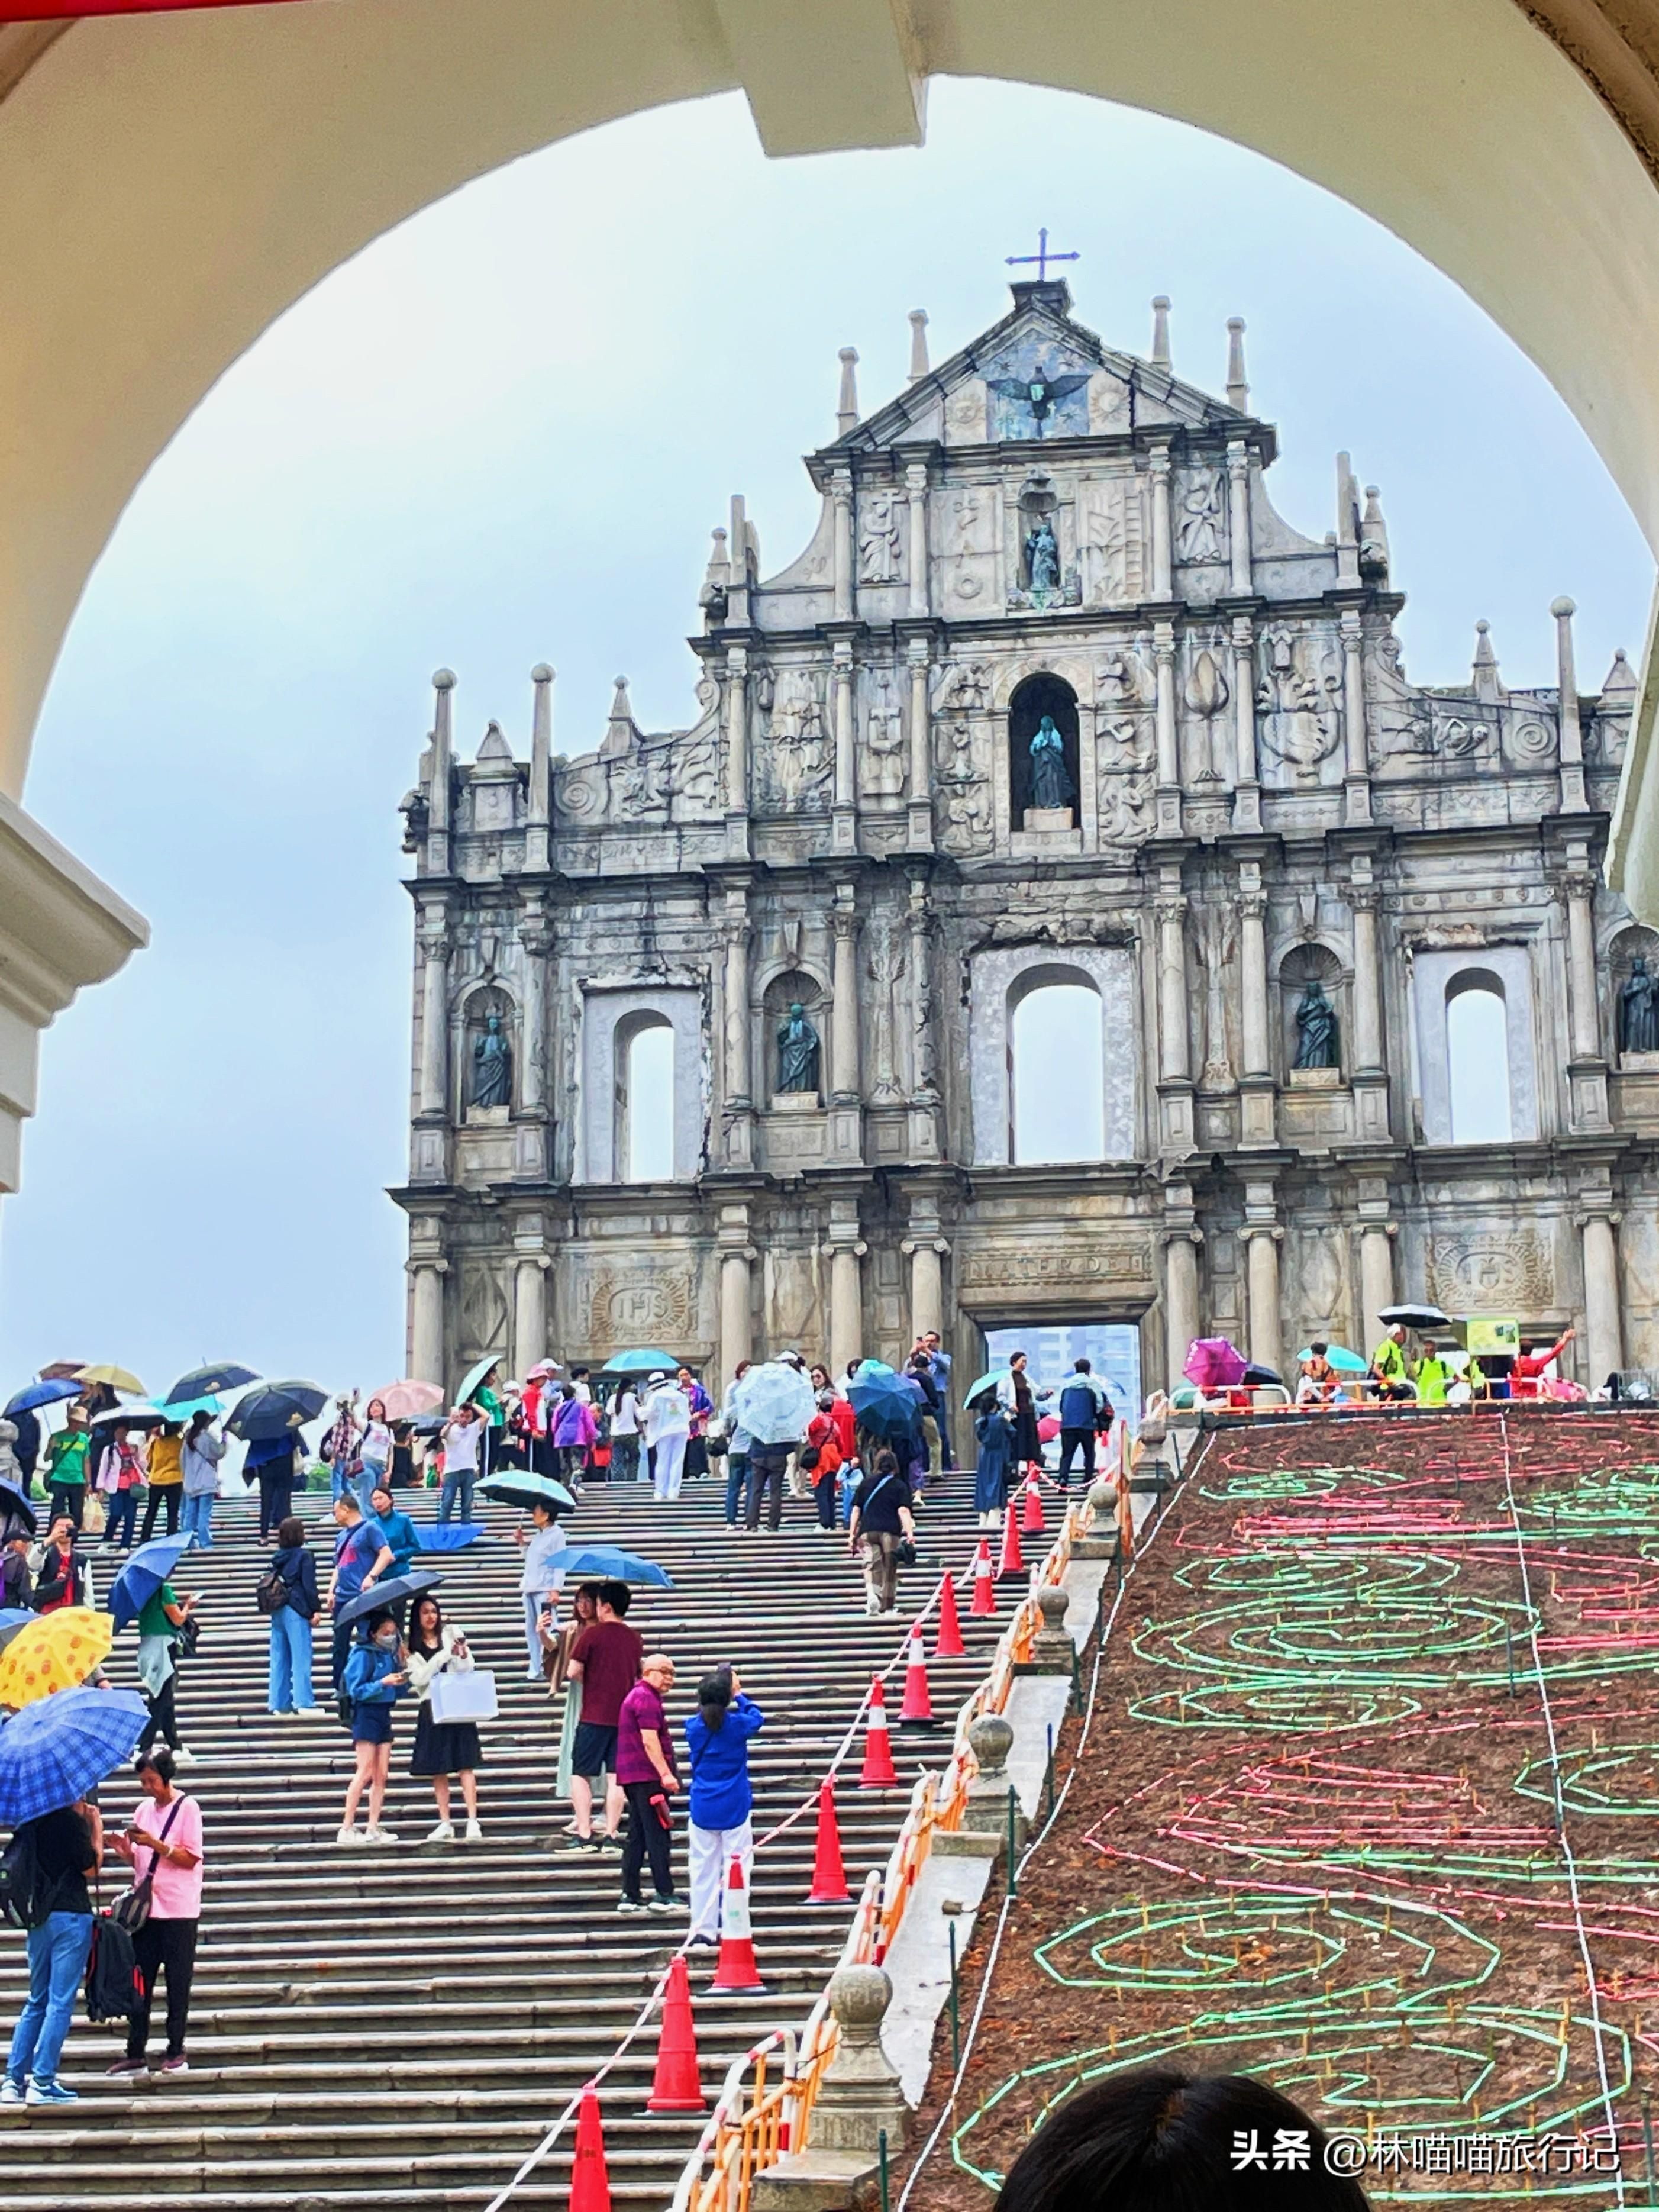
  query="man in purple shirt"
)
[{"x": 646, "y": 1776}]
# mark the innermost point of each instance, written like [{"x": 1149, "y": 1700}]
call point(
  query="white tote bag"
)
[{"x": 469, "y": 1697}]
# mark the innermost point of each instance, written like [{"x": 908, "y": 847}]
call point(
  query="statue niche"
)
[
  {"x": 1311, "y": 978},
  {"x": 1635, "y": 964},
  {"x": 1043, "y": 754},
  {"x": 794, "y": 1041},
  {"x": 487, "y": 1068}
]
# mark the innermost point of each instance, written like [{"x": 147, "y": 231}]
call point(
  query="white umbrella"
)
[{"x": 774, "y": 1403}]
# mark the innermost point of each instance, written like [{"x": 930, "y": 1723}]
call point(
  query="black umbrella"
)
[
  {"x": 1413, "y": 1317},
  {"x": 15, "y": 1508},
  {"x": 392, "y": 1591},
  {"x": 273, "y": 1409},
  {"x": 210, "y": 1381},
  {"x": 1258, "y": 1377}
]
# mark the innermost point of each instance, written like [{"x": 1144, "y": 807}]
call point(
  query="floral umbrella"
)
[{"x": 56, "y": 1652}]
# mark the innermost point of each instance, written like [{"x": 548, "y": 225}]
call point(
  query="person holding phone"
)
[
  {"x": 162, "y": 1844},
  {"x": 717, "y": 1738}
]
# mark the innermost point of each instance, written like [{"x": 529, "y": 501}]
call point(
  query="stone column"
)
[
  {"x": 426, "y": 1333},
  {"x": 1603, "y": 1338},
  {"x": 915, "y": 481},
  {"x": 1163, "y": 577},
  {"x": 530, "y": 1275},
  {"x": 926, "y": 1282},
  {"x": 1256, "y": 1084},
  {"x": 1367, "y": 983},
  {"x": 844, "y": 807},
  {"x": 847, "y": 1087},
  {"x": 1573, "y": 800},
  {"x": 436, "y": 858},
  {"x": 1375, "y": 1277},
  {"x": 737, "y": 1254},
  {"x": 847, "y": 1249},
  {"x": 738, "y": 1080},
  {"x": 841, "y": 496},
  {"x": 434, "y": 1090},
  {"x": 1356, "y": 759},
  {"x": 529, "y": 1123},
  {"x": 1263, "y": 1240},
  {"x": 921, "y": 835},
  {"x": 1580, "y": 887},
  {"x": 1247, "y": 797},
  {"x": 1174, "y": 1049},
  {"x": 737, "y": 730},
  {"x": 1240, "y": 582},
  {"x": 539, "y": 816},
  {"x": 1181, "y": 1323},
  {"x": 1169, "y": 743}
]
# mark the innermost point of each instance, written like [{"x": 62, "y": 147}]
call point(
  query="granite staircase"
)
[{"x": 400, "y": 2026}]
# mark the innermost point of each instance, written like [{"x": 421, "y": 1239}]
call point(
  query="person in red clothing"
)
[
  {"x": 605, "y": 1660},
  {"x": 1533, "y": 1359},
  {"x": 645, "y": 1768},
  {"x": 821, "y": 1457}
]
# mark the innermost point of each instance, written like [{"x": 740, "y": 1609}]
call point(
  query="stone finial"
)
[
  {"x": 443, "y": 679},
  {"x": 860, "y": 2097},
  {"x": 1487, "y": 683},
  {"x": 718, "y": 575},
  {"x": 1103, "y": 1500},
  {"x": 1620, "y": 678},
  {"x": 1572, "y": 739},
  {"x": 991, "y": 1739},
  {"x": 1347, "y": 522},
  {"x": 1052, "y": 1649},
  {"x": 918, "y": 365},
  {"x": 541, "y": 673},
  {"x": 1159, "y": 356},
  {"x": 1238, "y": 388},
  {"x": 1373, "y": 536},
  {"x": 847, "y": 409}
]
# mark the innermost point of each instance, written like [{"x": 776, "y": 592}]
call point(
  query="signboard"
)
[{"x": 1491, "y": 1335}]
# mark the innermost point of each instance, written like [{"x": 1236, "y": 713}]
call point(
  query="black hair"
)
[
  {"x": 198, "y": 1421},
  {"x": 592, "y": 1591},
  {"x": 290, "y": 1533},
  {"x": 1159, "y": 2140},
  {"x": 159, "y": 1759},
  {"x": 1319, "y": 1350},
  {"x": 580, "y": 1371},
  {"x": 617, "y": 1595},
  {"x": 376, "y": 1621},
  {"x": 1081, "y": 1367},
  {"x": 714, "y": 1697},
  {"x": 425, "y": 1597},
  {"x": 886, "y": 1463}
]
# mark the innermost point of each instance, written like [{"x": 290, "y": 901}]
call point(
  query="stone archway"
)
[{"x": 169, "y": 185}]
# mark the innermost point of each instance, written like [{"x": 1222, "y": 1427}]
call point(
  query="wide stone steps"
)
[{"x": 400, "y": 2026}]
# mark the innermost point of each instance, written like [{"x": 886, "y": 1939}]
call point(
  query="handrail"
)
[{"x": 741, "y": 2138}]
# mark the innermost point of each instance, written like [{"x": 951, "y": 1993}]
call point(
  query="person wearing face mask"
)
[{"x": 375, "y": 1678}]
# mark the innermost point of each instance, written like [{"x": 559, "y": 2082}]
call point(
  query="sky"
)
[{"x": 501, "y": 434}]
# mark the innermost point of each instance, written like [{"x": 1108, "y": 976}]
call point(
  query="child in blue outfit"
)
[{"x": 375, "y": 1678}]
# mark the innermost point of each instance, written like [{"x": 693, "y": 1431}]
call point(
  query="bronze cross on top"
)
[{"x": 1041, "y": 256}]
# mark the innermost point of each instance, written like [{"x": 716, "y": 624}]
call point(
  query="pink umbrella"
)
[
  {"x": 407, "y": 1402},
  {"x": 1047, "y": 1428},
  {"x": 1213, "y": 1363}
]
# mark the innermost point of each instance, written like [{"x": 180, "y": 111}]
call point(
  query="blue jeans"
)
[
  {"x": 373, "y": 1473},
  {"x": 123, "y": 1513},
  {"x": 58, "y": 1958},
  {"x": 737, "y": 1473},
  {"x": 290, "y": 1661},
  {"x": 196, "y": 1519},
  {"x": 458, "y": 1485}
]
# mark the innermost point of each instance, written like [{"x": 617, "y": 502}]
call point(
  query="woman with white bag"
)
[{"x": 438, "y": 1659}]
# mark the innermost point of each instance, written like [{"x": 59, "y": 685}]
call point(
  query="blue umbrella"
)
[
  {"x": 526, "y": 1490},
  {"x": 57, "y": 1749},
  {"x": 48, "y": 1393},
  {"x": 473, "y": 1379},
  {"x": 273, "y": 1409},
  {"x": 774, "y": 1403},
  {"x": 14, "y": 1507},
  {"x": 208, "y": 1382},
  {"x": 145, "y": 1571},
  {"x": 641, "y": 1361},
  {"x": 887, "y": 1407},
  {"x": 389, "y": 1592},
  {"x": 448, "y": 1535},
  {"x": 604, "y": 1562},
  {"x": 997, "y": 1374},
  {"x": 181, "y": 1409},
  {"x": 12, "y": 1618}
]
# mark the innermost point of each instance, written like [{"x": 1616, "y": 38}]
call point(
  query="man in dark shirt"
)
[
  {"x": 881, "y": 1520},
  {"x": 605, "y": 1660},
  {"x": 361, "y": 1557},
  {"x": 66, "y": 1847}
]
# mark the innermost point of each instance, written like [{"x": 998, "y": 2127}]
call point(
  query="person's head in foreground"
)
[{"x": 1159, "y": 2140}]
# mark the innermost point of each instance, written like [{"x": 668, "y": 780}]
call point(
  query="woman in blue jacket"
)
[
  {"x": 717, "y": 1737},
  {"x": 374, "y": 1680},
  {"x": 995, "y": 1433}
]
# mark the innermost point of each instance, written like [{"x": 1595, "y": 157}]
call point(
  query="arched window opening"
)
[
  {"x": 1478, "y": 1060},
  {"x": 1056, "y": 1085},
  {"x": 1045, "y": 780},
  {"x": 645, "y": 1100}
]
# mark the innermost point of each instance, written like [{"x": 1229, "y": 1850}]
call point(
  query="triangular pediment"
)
[{"x": 1038, "y": 375}]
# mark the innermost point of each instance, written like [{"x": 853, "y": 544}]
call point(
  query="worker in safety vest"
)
[
  {"x": 1389, "y": 1363},
  {"x": 1431, "y": 1375}
]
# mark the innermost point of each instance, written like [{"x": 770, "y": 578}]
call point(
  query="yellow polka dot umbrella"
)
[{"x": 56, "y": 1652}]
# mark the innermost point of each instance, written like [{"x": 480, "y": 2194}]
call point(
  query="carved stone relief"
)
[
  {"x": 1298, "y": 727},
  {"x": 1204, "y": 696},
  {"x": 880, "y": 528},
  {"x": 1493, "y": 1271},
  {"x": 795, "y": 754},
  {"x": 969, "y": 521},
  {"x": 881, "y": 769},
  {"x": 1109, "y": 552},
  {"x": 1201, "y": 508},
  {"x": 633, "y": 1304},
  {"x": 884, "y": 965}
]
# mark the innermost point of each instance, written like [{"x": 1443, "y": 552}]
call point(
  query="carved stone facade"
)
[{"x": 1269, "y": 828}]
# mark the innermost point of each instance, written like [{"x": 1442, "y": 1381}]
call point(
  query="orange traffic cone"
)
[
  {"x": 736, "y": 1973},
  {"x": 1031, "y": 1520},
  {"x": 879, "y": 1772},
  {"x": 829, "y": 1875},
  {"x": 590, "y": 2177},
  {"x": 984, "y": 1580},
  {"x": 948, "y": 1644},
  {"x": 917, "y": 1712},
  {"x": 678, "y": 2086},
  {"x": 1011, "y": 1563},
  {"x": 1125, "y": 1520}
]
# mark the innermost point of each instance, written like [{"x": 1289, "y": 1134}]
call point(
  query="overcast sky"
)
[{"x": 502, "y": 435}]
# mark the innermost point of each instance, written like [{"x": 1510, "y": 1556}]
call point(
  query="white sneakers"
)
[
  {"x": 443, "y": 1833},
  {"x": 474, "y": 1832},
  {"x": 350, "y": 1836},
  {"x": 183, "y": 1758},
  {"x": 362, "y": 1836},
  {"x": 379, "y": 1836}
]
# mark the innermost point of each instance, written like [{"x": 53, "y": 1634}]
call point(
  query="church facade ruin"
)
[{"x": 1054, "y": 696}]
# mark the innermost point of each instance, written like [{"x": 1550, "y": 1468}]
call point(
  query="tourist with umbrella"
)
[
  {"x": 162, "y": 1615},
  {"x": 214, "y": 1382},
  {"x": 739, "y": 1444},
  {"x": 995, "y": 1432},
  {"x": 361, "y": 1559},
  {"x": 774, "y": 1403},
  {"x": 1021, "y": 1396},
  {"x": 204, "y": 1447},
  {"x": 51, "y": 1756},
  {"x": 268, "y": 1418},
  {"x": 625, "y": 1432},
  {"x": 375, "y": 1676},
  {"x": 542, "y": 1576},
  {"x": 1388, "y": 1363},
  {"x": 481, "y": 1386}
]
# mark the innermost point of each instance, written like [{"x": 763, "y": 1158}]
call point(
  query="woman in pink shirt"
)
[{"x": 163, "y": 1847}]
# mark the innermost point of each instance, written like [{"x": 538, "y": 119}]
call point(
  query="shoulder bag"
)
[{"x": 131, "y": 1908}]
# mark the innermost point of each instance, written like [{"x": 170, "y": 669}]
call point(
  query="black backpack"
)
[
  {"x": 271, "y": 1594},
  {"x": 113, "y": 1989},
  {"x": 22, "y": 1899}
]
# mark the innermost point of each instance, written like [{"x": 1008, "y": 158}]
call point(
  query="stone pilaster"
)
[
  {"x": 737, "y": 1079},
  {"x": 1370, "y": 1076},
  {"x": 924, "y": 1044},
  {"x": 1240, "y": 582},
  {"x": 1604, "y": 1349},
  {"x": 1377, "y": 1235},
  {"x": 1173, "y": 1042},
  {"x": 1168, "y": 738},
  {"x": 1587, "y": 1074},
  {"x": 429, "y": 1148},
  {"x": 920, "y": 833},
  {"x": 1256, "y": 1086},
  {"x": 847, "y": 1249},
  {"x": 843, "y": 813},
  {"x": 841, "y": 500},
  {"x": 1262, "y": 1236},
  {"x": 531, "y": 1125},
  {"x": 737, "y": 1256},
  {"x": 846, "y": 1068},
  {"x": 915, "y": 484},
  {"x": 1247, "y": 795},
  {"x": 1162, "y": 574},
  {"x": 1181, "y": 1240},
  {"x": 532, "y": 1265},
  {"x": 427, "y": 1268},
  {"x": 1356, "y": 770},
  {"x": 736, "y": 752}
]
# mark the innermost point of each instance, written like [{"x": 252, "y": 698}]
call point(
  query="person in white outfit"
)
[
  {"x": 542, "y": 1578},
  {"x": 721, "y": 1800},
  {"x": 666, "y": 1424}
]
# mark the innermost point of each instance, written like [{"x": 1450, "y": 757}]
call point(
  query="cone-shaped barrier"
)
[
  {"x": 917, "y": 1710},
  {"x": 985, "y": 1596},
  {"x": 590, "y": 2177},
  {"x": 1012, "y": 1563},
  {"x": 948, "y": 1644},
  {"x": 1031, "y": 1522},
  {"x": 1125, "y": 1520},
  {"x": 879, "y": 1772},
  {"x": 677, "y": 2085},
  {"x": 829, "y": 1875},
  {"x": 736, "y": 1973}
]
